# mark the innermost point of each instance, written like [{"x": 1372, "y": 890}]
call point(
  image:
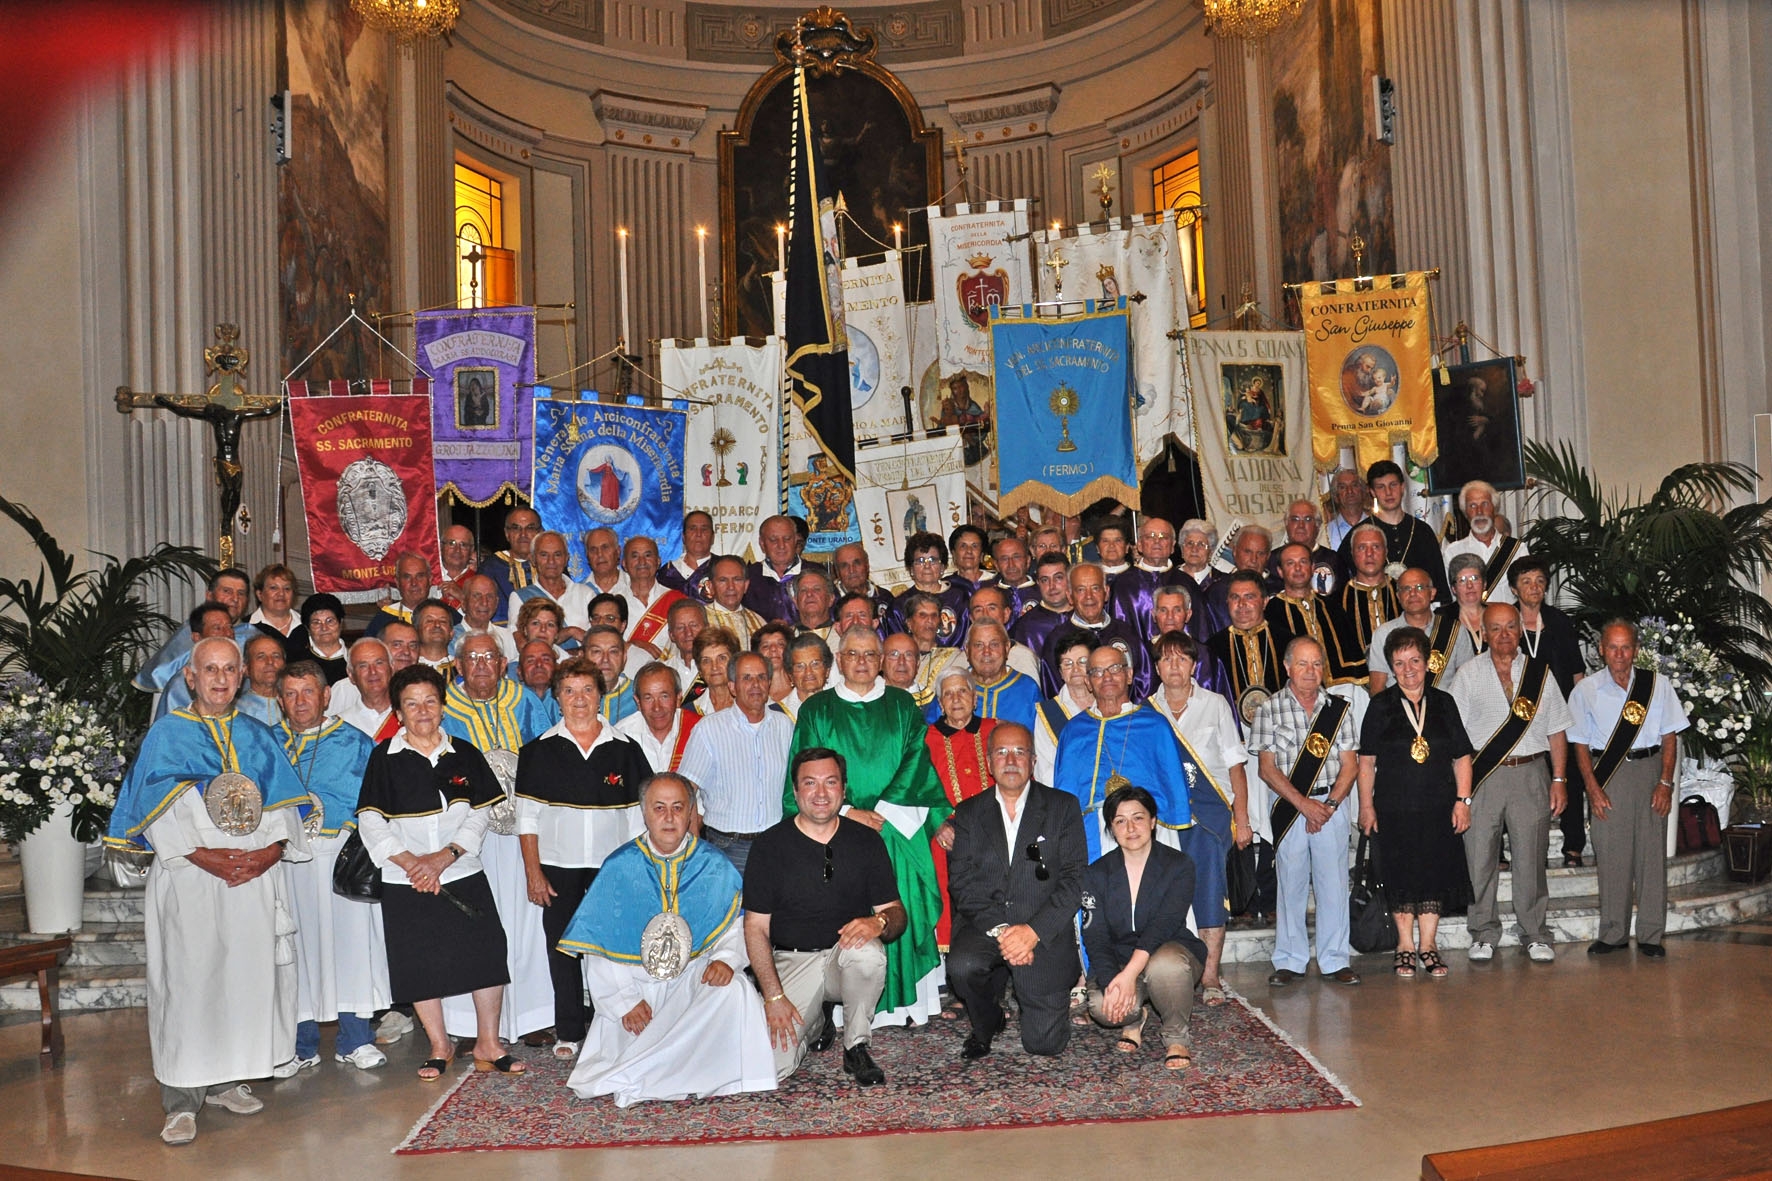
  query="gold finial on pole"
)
[{"x": 1357, "y": 247}]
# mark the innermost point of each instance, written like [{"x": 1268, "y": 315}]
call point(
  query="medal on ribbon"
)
[{"x": 1634, "y": 713}]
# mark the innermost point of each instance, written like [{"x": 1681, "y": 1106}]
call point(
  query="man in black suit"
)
[{"x": 1015, "y": 874}]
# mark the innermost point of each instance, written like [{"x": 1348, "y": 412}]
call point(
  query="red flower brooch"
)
[{"x": 613, "y": 779}]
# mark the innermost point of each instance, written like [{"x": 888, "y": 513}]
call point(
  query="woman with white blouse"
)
[
  {"x": 422, "y": 815},
  {"x": 578, "y": 801}
]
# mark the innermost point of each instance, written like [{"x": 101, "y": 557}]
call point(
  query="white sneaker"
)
[
  {"x": 1482, "y": 953},
  {"x": 294, "y": 1066},
  {"x": 364, "y": 1057},
  {"x": 240, "y": 1100},
  {"x": 181, "y": 1128},
  {"x": 393, "y": 1026},
  {"x": 1540, "y": 953}
]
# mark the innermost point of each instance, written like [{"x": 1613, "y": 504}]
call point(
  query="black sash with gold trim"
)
[
  {"x": 1630, "y": 724},
  {"x": 1496, "y": 570},
  {"x": 1311, "y": 756},
  {"x": 1440, "y": 641},
  {"x": 1507, "y": 736}
]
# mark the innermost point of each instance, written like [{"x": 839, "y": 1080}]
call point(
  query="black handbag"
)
[
  {"x": 1239, "y": 877},
  {"x": 1370, "y": 926},
  {"x": 354, "y": 875}
]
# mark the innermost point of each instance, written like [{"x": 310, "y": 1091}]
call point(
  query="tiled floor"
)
[{"x": 1504, "y": 1052}]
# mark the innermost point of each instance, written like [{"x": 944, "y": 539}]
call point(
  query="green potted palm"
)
[{"x": 70, "y": 642}]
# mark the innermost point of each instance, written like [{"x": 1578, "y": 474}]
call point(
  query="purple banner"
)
[{"x": 481, "y": 421}]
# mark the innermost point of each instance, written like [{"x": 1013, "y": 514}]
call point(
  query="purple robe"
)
[
  {"x": 670, "y": 576},
  {"x": 1022, "y": 598},
  {"x": 1109, "y": 631},
  {"x": 956, "y": 615},
  {"x": 770, "y": 597},
  {"x": 1132, "y": 602},
  {"x": 1033, "y": 629}
]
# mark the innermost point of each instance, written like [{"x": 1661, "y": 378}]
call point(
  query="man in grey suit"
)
[{"x": 1015, "y": 877}]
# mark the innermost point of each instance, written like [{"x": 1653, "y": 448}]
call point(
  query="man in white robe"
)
[{"x": 673, "y": 1019}]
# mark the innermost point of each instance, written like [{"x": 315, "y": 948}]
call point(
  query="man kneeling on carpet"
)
[
  {"x": 1136, "y": 899},
  {"x": 821, "y": 902},
  {"x": 663, "y": 956}
]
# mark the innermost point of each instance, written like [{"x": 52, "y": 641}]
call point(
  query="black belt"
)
[
  {"x": 1642, "y": 752},
  {"x": 804, "y": 950},
  {"x": 743, "y": 836}
]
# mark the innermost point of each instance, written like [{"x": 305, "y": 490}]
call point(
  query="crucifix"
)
[
  {"x": 1057, "y": 262},
  {"x": 224, "y": 406}
]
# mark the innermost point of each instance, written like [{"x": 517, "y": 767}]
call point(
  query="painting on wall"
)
[
  {"x": 1477, "y": 409},
  {"x": 1333, "y": 176},
  {"x": 333, "y": 196}
]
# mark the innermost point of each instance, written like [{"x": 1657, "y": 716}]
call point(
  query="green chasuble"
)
[{"x": 881, "y": 742}]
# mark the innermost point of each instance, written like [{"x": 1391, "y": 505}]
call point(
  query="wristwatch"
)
[
  {"x": 996, "y": 930},
  {"x": 1465, "y": 800}
]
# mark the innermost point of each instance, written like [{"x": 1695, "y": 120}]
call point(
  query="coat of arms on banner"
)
[{"x": 982, "y": 290}]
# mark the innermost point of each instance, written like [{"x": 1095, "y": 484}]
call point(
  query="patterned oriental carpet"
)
[{"x": 1241, "y": 1064}]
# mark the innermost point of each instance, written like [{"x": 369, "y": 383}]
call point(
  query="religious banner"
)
[
  {"x": 979, "y": 262},
  {"x": 367, "y": 485},
  {"x": 600, "y": 465},
  {"x": 1134, "y": 256},
  {"x": 907, "y": 487},
  {"x": 879, "y": 348},
  {"x": 733, "y": 434},
  {"x": 1369, "y": 352},
  {"x": 483, "y": 363},
  {"x": 1059, "y": 381},
  {"x": 1253, "y": 423}
]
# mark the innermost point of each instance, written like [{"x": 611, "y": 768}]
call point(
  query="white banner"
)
[
  {"x": 907, "y": 488},
  {"x": 732, "y": 448},
  {"x": 1132, "y": 258},
  {"x": 1253, "y": 403},
  {"x": 879, "y": 348},
  {"x": 979, "y": 259}
]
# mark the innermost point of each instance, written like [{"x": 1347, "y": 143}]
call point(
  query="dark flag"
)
[{"x": 818, "y": 347}]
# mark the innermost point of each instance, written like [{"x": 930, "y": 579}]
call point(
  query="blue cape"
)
[
  {"x": 512, "y": 717},
  {"x": 331, "y": 764},
  {"x": 633, "y": 886},
  {"x": 180, "y": 752},
  {"x": 1142, "y": 747}
]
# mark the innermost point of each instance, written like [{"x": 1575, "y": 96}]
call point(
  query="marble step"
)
[
  {"x": 116, "y": 986},
  {"x": 107, "y": 902},
  {"x": 95, "y": 944},
  {"x": 1562, "y": 881}
]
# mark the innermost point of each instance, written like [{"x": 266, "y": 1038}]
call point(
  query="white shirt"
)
[
  {"x": 1012, "y": 824},
  {"x": 619, "y": 587},
  {"x": 1598, "y": 700},
  {"x": 456, "y": 824},
  {"x": 356, "y": 713},
  {"x": 1023, "y": 660},
  {"x": 1483, "y": 706},
  {"x": 1503, "y": 593},
  {"x": 258, "y": 616},
  {"x": 1339, "y": 527},
  {"x": 657, "y": 750},
  {"x": 1046, "y": 742},
  {"x": 579, "y": 838},
  {"x": 574, "y": 601},
  {"x": 1209, "y": 731},
  {"x": 740, "y": 765}
]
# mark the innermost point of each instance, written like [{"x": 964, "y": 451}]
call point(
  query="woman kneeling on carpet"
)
[
  {"x": 424, "y": 790},
  {"x": 663, "y": 948},
  {"x": 1136, "y": 900}
]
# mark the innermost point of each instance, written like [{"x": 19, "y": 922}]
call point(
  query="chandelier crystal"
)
[
  {"x": 1249, "y": 19},
  {"x": 409, "y": 20}
]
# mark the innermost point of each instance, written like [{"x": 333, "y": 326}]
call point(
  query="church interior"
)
[{"x": 1590, "y": 179}]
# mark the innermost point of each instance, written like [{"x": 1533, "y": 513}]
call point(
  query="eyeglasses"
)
[
  {"x": 1118, "y": 670},
  {"x": 830, "y": 866},
  {"x": 926, "y": 560},
  {"x": 1305, "y": 519},
  {"x": 1415, "y": 586},
  {"x": 478, "y": 657},
  {"x": 1073, "y": 665},
  {"x": 1041, "y": 873}
]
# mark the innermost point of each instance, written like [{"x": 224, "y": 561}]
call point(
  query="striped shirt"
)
[{"x": 740, "y": 766}]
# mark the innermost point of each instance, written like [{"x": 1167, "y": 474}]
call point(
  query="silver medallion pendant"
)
[
  {"x": 503, "y": 817},
  {"x": 315, "y": 820},
  {"x": 235, "y": 804},
  {"x": 664, "y": 946}
]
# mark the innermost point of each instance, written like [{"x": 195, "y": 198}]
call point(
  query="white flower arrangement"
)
[
  {"x": 1717, "y": 699},
  {"x": 54, "y": 751}
]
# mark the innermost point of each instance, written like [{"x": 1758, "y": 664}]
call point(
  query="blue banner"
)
[
  {"x": 600, "y": 465},
  {"x": 1064, "y": 409}
]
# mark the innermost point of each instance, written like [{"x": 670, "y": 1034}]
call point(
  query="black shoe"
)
[
  {"x": 858, "y": 1062},
  {"x": 975, "y": 1047},
  {"x": 828, "y": 1033},
  {"x": 1601, "y": 947},
  {"x": 1283, "y": 976},
  {"x": 1653, "y": 950}
]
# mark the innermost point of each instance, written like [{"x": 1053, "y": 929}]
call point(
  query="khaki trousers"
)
[
  {"x": 1167, "y": 985},
  {"x": 1630, "y": 846},
  {"x": 852, "y": 978},
  {"x": 1517, "y": 799}
]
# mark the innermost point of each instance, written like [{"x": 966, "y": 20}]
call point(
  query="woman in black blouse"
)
[{"x": 1415, "y": 788}]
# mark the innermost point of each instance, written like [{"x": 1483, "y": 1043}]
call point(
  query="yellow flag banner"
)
[{"x": 1369, "y": 359}]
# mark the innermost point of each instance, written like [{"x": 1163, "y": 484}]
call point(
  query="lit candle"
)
[
  {"x": 1056, "y": 226},
  {"x": 621, "y": 240},
  {"x": 701, "y": 234},
  {"x": 781, "y": 248},
  {"x": 897, "y": 236}
]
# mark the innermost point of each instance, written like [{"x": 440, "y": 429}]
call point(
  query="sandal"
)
[
  {"x": 1405, "y": 964},
  {"x": 1177, "y": 1058},
  {"x": 1212, "y": 994},
  {"x": 1132, "y": 1036},
  {"x": 437, "y": 1067},
  {"x": 1435, "y": 966},
  {"x": 504, "y": 1065},
  {"x": 565, "y": 1051}
]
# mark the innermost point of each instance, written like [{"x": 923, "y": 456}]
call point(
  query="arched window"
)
[
  {"x": 485, "y": 271},
  {"x": 1176, "y": 185}
]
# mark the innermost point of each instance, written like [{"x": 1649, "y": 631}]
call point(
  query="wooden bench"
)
[
  {"x": 1732, "y": 1142},
  {"x": 43, "y": 959}
]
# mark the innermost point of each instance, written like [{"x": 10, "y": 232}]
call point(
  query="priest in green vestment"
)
[{"x": 893, "y": 789}]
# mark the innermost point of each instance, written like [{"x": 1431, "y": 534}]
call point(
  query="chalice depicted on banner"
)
[{"x": 1064, "y": 404}]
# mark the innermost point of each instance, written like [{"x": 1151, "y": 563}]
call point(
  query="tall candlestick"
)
[
  {"x": 897, "y": 236},
  {"x": 781, "y": 248},
  {"x": 701, "y": 234},
  {"x": 621, "y": 240}
]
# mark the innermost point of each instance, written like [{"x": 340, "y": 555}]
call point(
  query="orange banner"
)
[{"x": 1369, "y": 360}]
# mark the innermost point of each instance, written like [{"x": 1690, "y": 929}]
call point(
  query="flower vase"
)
[{"x": 54, "y": 865}]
